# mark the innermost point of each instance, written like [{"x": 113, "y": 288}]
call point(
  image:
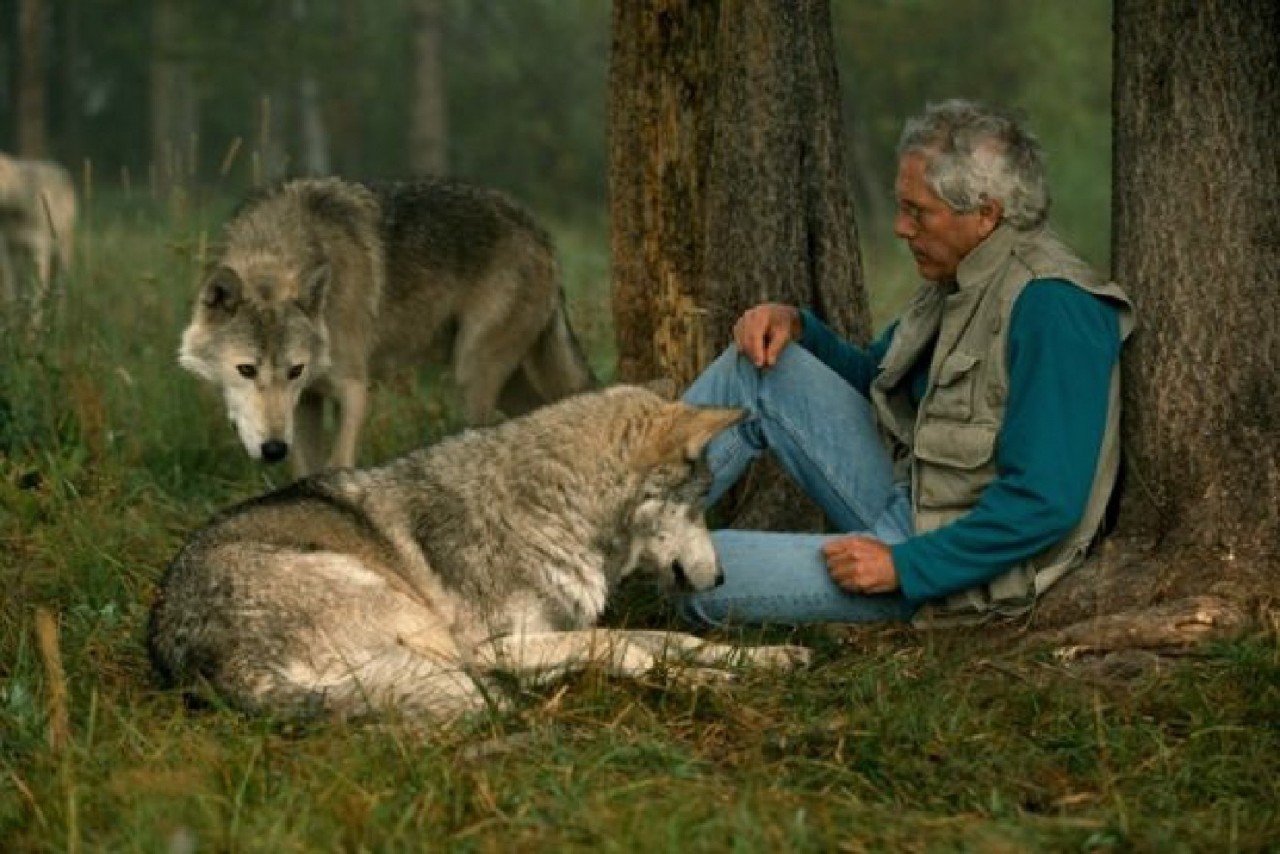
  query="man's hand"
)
[
  {"x": 764, "y": 330},
  {"x": 861, "y": 564}
]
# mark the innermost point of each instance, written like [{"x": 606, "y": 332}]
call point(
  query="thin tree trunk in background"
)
[
  {"x": 174, "y": 116},
  {"x": 31, "y": 89},
  {"x": 313, "y": 136},
  {"x": 1196, "y": 200},
  {"x": 345, "y": 118},
  {"x": 428, "y": 149},
  {"x": 727, "y": 182}
]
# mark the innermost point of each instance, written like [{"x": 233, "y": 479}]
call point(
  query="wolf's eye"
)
[
  {"x": 247, "y": 371},
  {"x": 296, "y": 371}
]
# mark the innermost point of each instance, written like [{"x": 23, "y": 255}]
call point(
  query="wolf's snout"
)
[
  {"x": 273, "y": 450},
  {"x": 719, "y": 577}
]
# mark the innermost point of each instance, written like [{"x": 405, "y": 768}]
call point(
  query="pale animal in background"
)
[
  {"x": 407, "y": 587},
  {"x": 37, "y": 233},
  {"x": 323, "y": 284}
]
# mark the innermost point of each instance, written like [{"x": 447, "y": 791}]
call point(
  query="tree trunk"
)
[
  {"x": 313, "y": 136},
  {"x": 728, "y": 186},
  {"x": 174, "y": 116},
  {"x": 31, "y": 100},
  {"x": 427, "y": 113},
  {"x": 345, "y": 123},
  {"x": 1196, "y": 202}
]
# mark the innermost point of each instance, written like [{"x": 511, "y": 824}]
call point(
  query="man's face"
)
[{"x": 937, "y": 236}]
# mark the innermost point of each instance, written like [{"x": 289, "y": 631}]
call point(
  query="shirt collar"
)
[{"x": 986, "y": 259}]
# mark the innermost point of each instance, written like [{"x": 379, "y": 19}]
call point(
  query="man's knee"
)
[
  {"x": 721, "y": 383},
  {"x": 732, "y": 379}
]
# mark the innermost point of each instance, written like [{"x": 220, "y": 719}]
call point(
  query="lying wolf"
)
[
  {"x": 37, "y": 231},
  {"x": 408, "y": 586},
  {"x": 322, "y": 284}
]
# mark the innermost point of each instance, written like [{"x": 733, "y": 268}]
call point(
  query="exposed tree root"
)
[
  {"x": 1178, "y": 594},
  {"x": 1170, "y": 626},
  {"x": 1133, "y": 606}
]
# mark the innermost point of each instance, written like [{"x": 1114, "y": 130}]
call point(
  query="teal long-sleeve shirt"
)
[{"x": 1063, "y": 343}]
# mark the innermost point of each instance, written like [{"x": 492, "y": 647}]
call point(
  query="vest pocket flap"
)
[
  {"x": 953, "y": 388},
  {"x": 954, "y": 368},
  {"x": 960, "y": 446}
]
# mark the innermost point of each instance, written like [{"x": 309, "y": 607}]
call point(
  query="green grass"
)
[{"x": 890, "y": 741}]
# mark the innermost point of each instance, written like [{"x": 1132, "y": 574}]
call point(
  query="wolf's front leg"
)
[
  {"x": 682, "y": 647},
  {"x": 353, "y": 400},
  {"x": 546, "y": 656},
  {"x": 308, "y": 434}
]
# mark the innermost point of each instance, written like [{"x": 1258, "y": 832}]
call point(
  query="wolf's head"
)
[
  {"x": 262, "y": 351},
  {"x": 669, "y": 536}
]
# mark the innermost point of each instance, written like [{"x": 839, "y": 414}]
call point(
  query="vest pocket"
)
[
  {"x": 953, "y": 387},
  {"x": 955, "y": 462}
]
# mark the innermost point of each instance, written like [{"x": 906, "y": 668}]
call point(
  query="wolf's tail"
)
[{"x": 556, "y": 365}]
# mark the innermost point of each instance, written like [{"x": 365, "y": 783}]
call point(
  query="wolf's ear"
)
[
  {"x": 663, "y": 387},
  {"x": 221, "y": 292},
  {"x": 315, "y": 290},
  {"x": 684, "y": 436}
]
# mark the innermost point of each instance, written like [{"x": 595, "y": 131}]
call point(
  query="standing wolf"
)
[
  {"x": 408, "y": 585},
  {"x": 322, "y": 284},
  {"x": 37, "y": 231}
]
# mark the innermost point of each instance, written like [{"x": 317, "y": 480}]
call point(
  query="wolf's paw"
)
[
  {"x": 780, "y": 657},
  {"x": 698, "y": 677}
]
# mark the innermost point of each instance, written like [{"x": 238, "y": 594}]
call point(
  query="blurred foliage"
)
[
  {"x": 1049, "y": 59},
  {"x": 526, "y": 85}
]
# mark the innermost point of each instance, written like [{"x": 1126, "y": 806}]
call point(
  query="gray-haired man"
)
[{"x": 968, "y": 453}]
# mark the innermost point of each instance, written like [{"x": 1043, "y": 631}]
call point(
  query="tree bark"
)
[
  {"x": 1195, "y": 243},
  {"x": 728, "y": 184},
  {"x": 1197, "y": 201},
  {"x": 728, "y": 189}
]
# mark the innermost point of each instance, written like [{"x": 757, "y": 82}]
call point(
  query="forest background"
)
[{"x": 166, "y": 98}]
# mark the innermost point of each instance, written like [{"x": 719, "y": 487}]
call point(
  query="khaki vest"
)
[{"x": 946, "y": 446}]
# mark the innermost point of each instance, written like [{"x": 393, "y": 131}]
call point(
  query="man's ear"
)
[
  {"x": 222, "y": 292},
  {"x": 683, "y": 432},
  {"x": 315, "y": 290},
  {"x": 990, "y": 213}
]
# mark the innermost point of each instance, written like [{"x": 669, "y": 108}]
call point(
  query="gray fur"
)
[
  {"x": 324, "y": 284},
  {"x": 406, "y": 586}
]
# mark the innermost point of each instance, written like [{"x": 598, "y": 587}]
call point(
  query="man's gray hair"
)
[{"x": 974, "y": 153}]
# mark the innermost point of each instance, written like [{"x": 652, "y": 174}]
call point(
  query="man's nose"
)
[{"x": 903, "y": 226}]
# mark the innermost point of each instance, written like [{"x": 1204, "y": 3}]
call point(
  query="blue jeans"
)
[{"x": 823, "y": 433}]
